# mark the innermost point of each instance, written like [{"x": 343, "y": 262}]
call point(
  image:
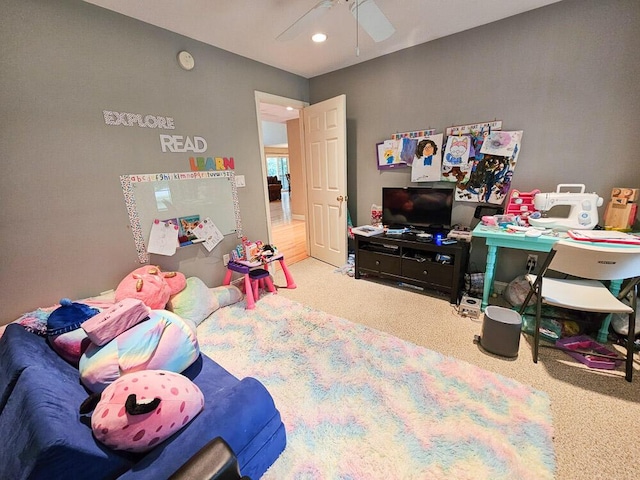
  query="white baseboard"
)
[{"x": 298, "y": 217}]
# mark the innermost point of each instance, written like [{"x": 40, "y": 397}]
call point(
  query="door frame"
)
[{"x": 263, "y": 97}]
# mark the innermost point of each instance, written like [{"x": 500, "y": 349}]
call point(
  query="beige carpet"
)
[{"x": 596, "y": 412}]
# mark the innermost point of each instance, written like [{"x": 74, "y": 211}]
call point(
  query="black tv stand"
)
[
  {"x": 433, "y": 229},
  {"x": 408, "y": 259}
]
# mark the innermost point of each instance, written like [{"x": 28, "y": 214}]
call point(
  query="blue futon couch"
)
[{"x": 45, "y": 437}]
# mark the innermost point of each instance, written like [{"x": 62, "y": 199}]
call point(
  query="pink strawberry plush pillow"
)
[{"x": 139, "y": 410}]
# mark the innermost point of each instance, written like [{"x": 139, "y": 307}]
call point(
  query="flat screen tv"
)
[{"x": 421, "y": 208}]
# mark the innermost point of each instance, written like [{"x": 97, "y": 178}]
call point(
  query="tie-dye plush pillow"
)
[
  {"x": 197, "y": 301},
  {"x": 163, "y": 342}
]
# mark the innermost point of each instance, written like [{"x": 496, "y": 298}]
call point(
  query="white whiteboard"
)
[{"x": 162, "y": 196}]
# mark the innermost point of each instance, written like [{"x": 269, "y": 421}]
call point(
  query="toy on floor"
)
[
  {"x": 140, "y": 410},
  {"x": 469, "y": 307}
]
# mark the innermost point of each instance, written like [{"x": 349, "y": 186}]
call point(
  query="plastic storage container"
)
[
  {"x": 501, "y": 331},
  {"x": 521, "y": 204},
  {"x": 586, "y": 344}
]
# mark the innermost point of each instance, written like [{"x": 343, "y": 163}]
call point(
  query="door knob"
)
[{"x": 340, "y": 198}]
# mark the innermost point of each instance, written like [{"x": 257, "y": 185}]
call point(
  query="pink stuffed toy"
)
[
  {"x": 139, "y": 410},
  {"x": 151, "y": 285}
]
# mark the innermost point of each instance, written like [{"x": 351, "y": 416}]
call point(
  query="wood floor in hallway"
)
[{"x": 289, "y": 235}]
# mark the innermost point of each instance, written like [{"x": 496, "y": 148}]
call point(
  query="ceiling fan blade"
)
[
  {"x": 306, "y": 20},
  {"x": 372, "y": 20}
]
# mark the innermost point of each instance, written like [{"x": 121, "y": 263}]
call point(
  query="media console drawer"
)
[
  {"x": 379, "y": 262},
  {"x": 406, "y": 260},
  {"x": 427, "y": 271}
]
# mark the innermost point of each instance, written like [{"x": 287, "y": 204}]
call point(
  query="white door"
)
[{"x": 325, "y": 132}]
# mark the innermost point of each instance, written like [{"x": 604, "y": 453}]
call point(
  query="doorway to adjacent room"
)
[
  {"x": 315, "y": 139},
  {"x": 288, "y": 232},
  {"x": 283, "y": 169}
]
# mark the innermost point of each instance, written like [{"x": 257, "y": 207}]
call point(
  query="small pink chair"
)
[
  {"x": 259, "y": 278},
  {"x": 246, "y": 268}
]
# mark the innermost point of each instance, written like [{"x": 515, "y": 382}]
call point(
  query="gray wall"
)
[
  {"x": 566, "y": 74},
  {"x": 64, "y": 227}
]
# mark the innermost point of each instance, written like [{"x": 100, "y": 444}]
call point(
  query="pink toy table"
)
[{"x": 244, "y": 267}]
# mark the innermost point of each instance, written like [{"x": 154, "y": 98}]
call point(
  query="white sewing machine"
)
[{"x": 583, "y": 213}]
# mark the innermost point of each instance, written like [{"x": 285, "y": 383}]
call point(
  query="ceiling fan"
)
[{"x": 368, "y": 15}]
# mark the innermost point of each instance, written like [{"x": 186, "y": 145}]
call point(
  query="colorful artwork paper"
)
[
  {"x": 427, "y": 162},
  {"x": 457, "y": 151},
  {"x": 187, "y": 227},
  {"x": 211, "y": 234},
  {"x": 457, "y": 159},
  {"x": 489, "y": 179},
  {"x": 407, "y": 147},
  {"x": 399, "y": 151},
  {"x": 504, "y": 144},
  {"x": 388, "y": 155},
  {"x": 163, "y": 239}
]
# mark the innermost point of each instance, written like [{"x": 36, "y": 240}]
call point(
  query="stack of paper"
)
[
  {"x": 608, "y": 236},
  {"x": 367, "y": 230}
]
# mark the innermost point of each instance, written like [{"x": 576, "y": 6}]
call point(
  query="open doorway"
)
[{"x": 282, "y": 154}]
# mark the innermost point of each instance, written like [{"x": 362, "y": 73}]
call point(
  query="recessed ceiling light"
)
[
  {"x": 289, "y": 108},
  {"x": 319, "y": 37}
]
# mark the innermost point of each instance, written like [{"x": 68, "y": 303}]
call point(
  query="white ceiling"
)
[
  {"x": 277, "y": 113},
  {"x": 249, "y": 27}
]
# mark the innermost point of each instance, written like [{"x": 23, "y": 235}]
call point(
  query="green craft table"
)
[{"x": 497, "y": 237}]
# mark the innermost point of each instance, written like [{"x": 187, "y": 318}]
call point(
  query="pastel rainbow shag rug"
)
[{"x": 358, "y": 403}]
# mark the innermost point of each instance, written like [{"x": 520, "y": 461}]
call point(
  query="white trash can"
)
[{"x": 501, "y": 331}]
